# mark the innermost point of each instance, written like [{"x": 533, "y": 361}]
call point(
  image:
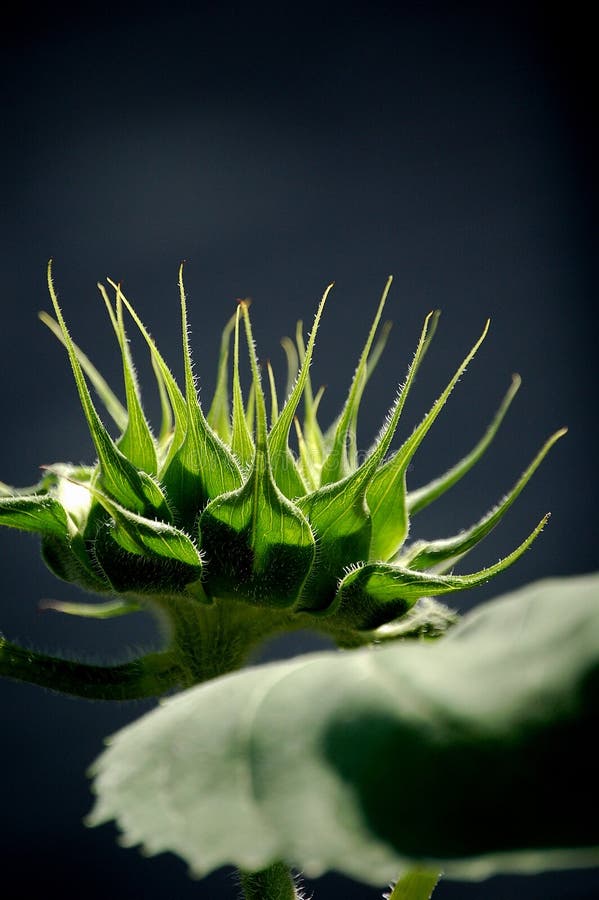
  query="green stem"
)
[
  {"x": 274, "y": 883},
  {"x": 147, "y": 676},
  {"x": 210, "y": 640},
  {"x": 417, "y": 884}
]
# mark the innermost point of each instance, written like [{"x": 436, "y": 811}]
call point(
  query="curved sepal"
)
[
  {"x": 421, "y": 497},
  {"x": 242, "y": 442},
  {"x": 340, "y": 514},
  {"x": 113, "y": 405},
  {"x": 38, "y": 512},
  {"x": 119, "y": 477},
  {"x": 285, "y": 472},
  {"x": 175, "y": 397},
  {"x": 444, "y": 553},
  {"x": 259, "y": 547},
  {"x": 336, "y": 466},
  {"x": 386, "y": 494},
  {"x": 202, "y": 468},
  {"x": 136, "y": 534},
  {"x": 219, "y": 414},
  {"x": 376, "y": 593},
  {"x": 110, "y": 609},
  {"x": 137, "y": 441}
]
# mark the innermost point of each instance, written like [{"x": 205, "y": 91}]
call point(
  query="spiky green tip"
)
[{"x": 217, "y": 508}]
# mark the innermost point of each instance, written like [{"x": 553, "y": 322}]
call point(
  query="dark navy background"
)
[{"x": 448, "y": 145}]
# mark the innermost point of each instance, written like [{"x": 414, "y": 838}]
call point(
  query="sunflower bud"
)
[{"x": 218, "y": 511}]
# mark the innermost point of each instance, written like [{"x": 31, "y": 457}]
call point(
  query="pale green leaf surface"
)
[
  {"x": 110, "y": 609},
  {"x": 472, "y": 754},
  {"x": 38, "y": 513}
]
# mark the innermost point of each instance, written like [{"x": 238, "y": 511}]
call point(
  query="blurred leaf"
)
[{"x": 473, "y": 754}]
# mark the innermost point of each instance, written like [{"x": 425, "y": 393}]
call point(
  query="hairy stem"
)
[
  {"x": 274, "y": 883},
  {"x": 147, "y": 676}
]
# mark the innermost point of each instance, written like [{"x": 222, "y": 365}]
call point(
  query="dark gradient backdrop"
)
[{"x": 449, "y": 146}]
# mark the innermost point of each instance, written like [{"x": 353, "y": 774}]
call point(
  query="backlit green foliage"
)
[{"x": 216, "y": 509}]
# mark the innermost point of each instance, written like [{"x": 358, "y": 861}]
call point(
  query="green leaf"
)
[
  {"x": 336, "y": 466},
  {"x": 242, "y": 442},
  {"x": 176, "y": 399},
  {"x": 136, "y": 442},
  {"x": 418, "y": 884},
  {"x": 474, "y": 754},
  {"x": 314, "y": 436},
  {"x": 203, "y": 467},
  {"x": 218, "y": 414},
  {"x": 371, "y": 595},
  {"x": 442, "y": 554},
  {"x": 61, "y": 557},
  {"x": 259, "y": 547},
  {"x": 421, "y": 497},
  {"x": 146, "y": 537},
  {"x": 386, "y": 494},
  {"x": 113, "y": 405},
  {"x": 339, "y": 513},
  {"x": 274, "y": 400},
  {"x": 284, "y": 469},
  {"x": 110, "y": 609},
  {"x": 46, "y": 482},
  {"x": 137, "y": 534},
  {"x": 166, "y": 419},
  {"x": 119, "y": 477},
  {"x": 39, "y": 513},
  {"x": 292, "y": 363}
]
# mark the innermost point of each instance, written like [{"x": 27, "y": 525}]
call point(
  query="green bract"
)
[{"x": 215, "y": 521}]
